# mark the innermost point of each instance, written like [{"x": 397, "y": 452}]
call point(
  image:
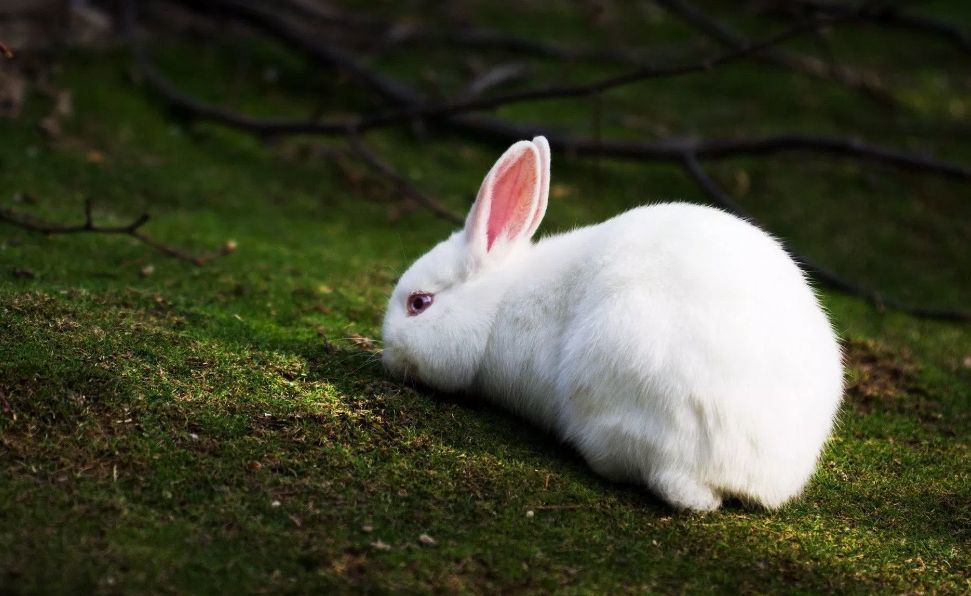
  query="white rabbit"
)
[{"x": 674, "y": 345}]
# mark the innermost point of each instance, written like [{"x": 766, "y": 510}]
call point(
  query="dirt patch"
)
[
  {"x": 880, "y": 379},
  {"x": 875, "y": 373}
]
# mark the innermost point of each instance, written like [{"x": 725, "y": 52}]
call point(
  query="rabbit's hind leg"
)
[{"x": 681, "y": 491}]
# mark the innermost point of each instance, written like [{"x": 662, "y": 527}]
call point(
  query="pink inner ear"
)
[{"x": 512, "y": 197}]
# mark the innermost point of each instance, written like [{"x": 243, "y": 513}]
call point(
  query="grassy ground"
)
[{"x": 227, "y": 428}]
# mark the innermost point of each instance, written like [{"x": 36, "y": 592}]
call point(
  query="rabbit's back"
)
[{"x": 695, "y": 358}]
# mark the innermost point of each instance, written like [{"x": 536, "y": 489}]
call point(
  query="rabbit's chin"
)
[
  {"x": 404, "y": 369},
  {"x": 398, "y": 366}
]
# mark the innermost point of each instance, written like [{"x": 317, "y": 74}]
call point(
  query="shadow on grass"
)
[
  {"x": 744, "y": 564},
  {"x": 209, "y": 425}
]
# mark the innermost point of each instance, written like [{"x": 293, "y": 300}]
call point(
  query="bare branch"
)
[
  {"x": 266, "y": 18},
  {"x": 488, "y": 127},
  {"x": 716, "y": 149},
  {"x": 460, "y": 106},
  {"x": 892, "y": 16},
  {"x": 388, "y": 171},
  {"x": 477, "y": 38},
  {"x": 867, "y": 83},
  {"x": 447, "y": 113},
  {"x": 452, "y": 113},
  {"x": 415, "y": 106},
  {"x": 200, "y": 110},
  {"x": 132, "y": 229},
  {"x": 48, "y": 229},
  {"x": 501, "y": 74},
  {"x": 504, "y": 131},
  {"x": 178, "y": 253},
  {"x": 390, "y": 33},
  {"x": 819, "y": 272},
  {"x": 324, "y": 13}
]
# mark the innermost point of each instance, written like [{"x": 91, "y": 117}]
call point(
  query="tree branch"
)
[
  {"x": 671, "y": 151},
  {"x": 417, "y": 108},
  {"x": 388, "y": 33},
  {"x": 388, "y": 171},
  {"x": 265, "y": 18},
  {"x": 498, "y": 40},
  {"x": 399, "y": 93},
  {"x": 804, "y": 64},
  {"x": 132, "y": 229},
  {"x": 449, "y": 113},
  {"x": 819, "y": 272},
  {"x": 892, "y": 16}
]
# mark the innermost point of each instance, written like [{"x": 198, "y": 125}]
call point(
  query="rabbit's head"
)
[{"x": 441, "y": 313}]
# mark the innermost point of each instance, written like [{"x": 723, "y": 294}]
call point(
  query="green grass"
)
[{"x": 218, "y": 429}]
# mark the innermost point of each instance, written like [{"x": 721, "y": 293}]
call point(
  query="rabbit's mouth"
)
[{"x": 399, "y": 366}]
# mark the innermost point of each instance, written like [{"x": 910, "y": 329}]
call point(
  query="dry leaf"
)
[
  {"x": 362, "y": 342},
  {"x": 379, "y": 545}
]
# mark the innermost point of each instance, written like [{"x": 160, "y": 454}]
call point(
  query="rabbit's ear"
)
[
  {"x": 543, "y": 146},
  {"x": 508, "y": 200}
]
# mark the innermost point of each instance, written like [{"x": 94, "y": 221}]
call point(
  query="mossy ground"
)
[{"x": 225, "y": 428}]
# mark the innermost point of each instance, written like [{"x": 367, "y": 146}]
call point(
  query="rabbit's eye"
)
[{"x": 418, "y": 302}]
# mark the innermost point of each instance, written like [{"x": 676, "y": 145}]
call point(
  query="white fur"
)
[{"x": 674, "y": 345}]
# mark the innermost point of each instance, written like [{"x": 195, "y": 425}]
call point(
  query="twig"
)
[
  {"x": 500, "y": 74},
  {"x": 892, "y": 16},
  {"x": 819, "y": 272},
  {"x": 132, "y": 229},
  {"x": 715, "y": 149},
  {"x": 33, "y": 225},
  {"x": 729, "y": 38},
  {"x": 644, "y": 73},
  {"x": 5, "y": 51},
  {"x": 392, "y": 33},
  {"x": 324, "y": 13},
  {"x": 388, "y": 171},
  {"x": 487, "y": 39},
  {"x": 267, "y": 19}
]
